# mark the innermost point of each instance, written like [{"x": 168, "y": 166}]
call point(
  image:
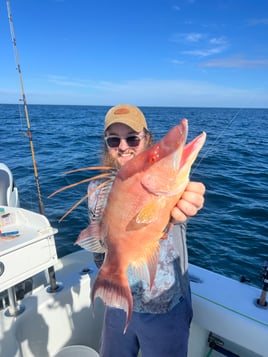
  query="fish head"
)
[{"x": 164, "y": 167}]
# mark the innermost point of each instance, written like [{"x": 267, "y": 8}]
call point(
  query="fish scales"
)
[{"x": 138, "y": 209}]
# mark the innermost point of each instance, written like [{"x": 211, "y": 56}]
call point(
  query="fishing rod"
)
[
  {"x": 51, "y": 272},
  {"x": 29, "y": 132}
]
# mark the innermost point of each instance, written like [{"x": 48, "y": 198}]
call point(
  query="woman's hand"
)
[{"x": 191, "y": 201}]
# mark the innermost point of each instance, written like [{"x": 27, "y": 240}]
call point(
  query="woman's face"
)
[{"x": 123, "y": 151}]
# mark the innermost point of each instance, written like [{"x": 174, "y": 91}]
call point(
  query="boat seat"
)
[
  {"x": 77, "y": 350},
  {"x": 4, "y": 185}
]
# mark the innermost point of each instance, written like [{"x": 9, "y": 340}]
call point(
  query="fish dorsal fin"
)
[
  {"x": 103, "y": 193},
  {"x": 149, "y": 212},
  {"x": 89, "y": 239},
  {"x": 92, "y": 238}
]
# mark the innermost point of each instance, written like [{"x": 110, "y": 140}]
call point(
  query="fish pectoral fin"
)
[
  {"x": 113, "y": 293},
  {"x": 141, "y": 272},
  {"x": 150, "y": 212},
  {"x": 152, "y": 264},
  {"x": 89, "y": 239},
  {"x": 145, "y": 269}
]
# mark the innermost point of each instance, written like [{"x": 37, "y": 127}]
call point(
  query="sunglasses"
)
[{"x": 132, "y": 140}]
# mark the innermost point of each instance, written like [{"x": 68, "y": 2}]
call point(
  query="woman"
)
[{"x": 161, "y": 317}]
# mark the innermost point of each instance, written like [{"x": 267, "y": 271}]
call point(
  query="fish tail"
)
[{"x": 114, "y": 293}]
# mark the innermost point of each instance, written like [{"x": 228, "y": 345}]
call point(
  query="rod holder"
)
[
  {"x": 262, "y": 300},
  {"x": 54, "y": 287},
  {"x": 14, "y": 308}
]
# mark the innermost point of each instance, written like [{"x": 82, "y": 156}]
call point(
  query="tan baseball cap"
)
[{"x": 126, "y": 114}]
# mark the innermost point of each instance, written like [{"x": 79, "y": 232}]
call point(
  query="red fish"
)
[{"x": 137, "y": 212}]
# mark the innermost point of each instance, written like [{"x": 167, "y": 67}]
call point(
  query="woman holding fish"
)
[{"x": 138, "y": 217}]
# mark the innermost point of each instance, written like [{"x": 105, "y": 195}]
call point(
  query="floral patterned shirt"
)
[{"x": 171, "y": 282}]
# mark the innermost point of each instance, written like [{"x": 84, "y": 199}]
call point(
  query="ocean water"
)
[{"x": 229, "y": 235}]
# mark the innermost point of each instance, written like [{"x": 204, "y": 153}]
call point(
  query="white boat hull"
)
[
  {"x": 229, "y": 310},
  {"x": 221, "y": 306}
]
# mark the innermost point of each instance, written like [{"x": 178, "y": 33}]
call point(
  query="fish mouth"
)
[
  {"x": 169, "y": 155},
  {"x": 170, "y": 161},
  {"x": 192, "y": 149}
]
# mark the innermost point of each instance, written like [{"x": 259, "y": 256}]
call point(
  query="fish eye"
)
[{"x": 153, "y": 158}]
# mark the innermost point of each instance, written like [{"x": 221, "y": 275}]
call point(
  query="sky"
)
[{"x": 179, "y": 53}]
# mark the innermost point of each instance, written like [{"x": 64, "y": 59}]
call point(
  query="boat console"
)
[{"x": 27, "y": 247}]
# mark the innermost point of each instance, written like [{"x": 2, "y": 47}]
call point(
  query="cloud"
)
[
  {"x": 150, "y": 92},
  {"x": 218, "y": 41},
  {"x": 188, "y": 37},
  {"x": 177, "y": 62},
  {"x": 65, "y": 81},
  {"x": 235, "y": 62},
  {"x": 143, "y": 91},
  {"x": 200, "y": 44},
  {"x": 204, "y": 52},
  {"x": 255, "y": 22}
]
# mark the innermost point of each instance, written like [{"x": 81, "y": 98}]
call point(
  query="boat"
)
[{"x": 45, "y": 306}]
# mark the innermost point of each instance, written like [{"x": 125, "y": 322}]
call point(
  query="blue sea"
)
[{"x": 228, "y": 236}]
